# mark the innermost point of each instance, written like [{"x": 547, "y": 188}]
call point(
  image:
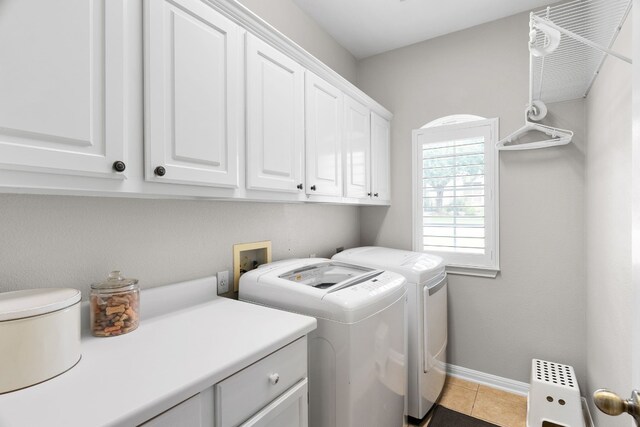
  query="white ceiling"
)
[{"x": 369, "y": 27}]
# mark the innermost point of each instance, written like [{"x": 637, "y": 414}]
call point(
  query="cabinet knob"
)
[
  {"x": 274, "y": 378},
  {"x": 369, "y": 194},
  {"x": 375, "y": 194},
  {"x": 300, "y": 186},
  {"x": 119, "y": 166},
  {"x": 313, "y": 188},
  {"x": 160, "y": 171}
]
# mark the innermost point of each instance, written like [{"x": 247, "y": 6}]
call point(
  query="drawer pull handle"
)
[{"x": 274, "y": 378}]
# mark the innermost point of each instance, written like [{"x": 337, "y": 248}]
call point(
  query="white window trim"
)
[
  {"x": 492, "y": 268},
  {"x": 452, "y": 120}
]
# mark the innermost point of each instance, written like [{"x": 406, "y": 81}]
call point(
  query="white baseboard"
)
[{"x": 506, "y": 384}]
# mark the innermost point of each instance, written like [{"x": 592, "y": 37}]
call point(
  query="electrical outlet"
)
[{"x": 223, "y": 282}]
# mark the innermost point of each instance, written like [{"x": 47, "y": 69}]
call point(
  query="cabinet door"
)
[
  {"x": 275, "y": 118},
  {"x": 289, "y": 410},
  {"x": 357, "y": 149},
  {"x": 323, "y": 110},
  {"x": 185, "y": 414},
  {"x": 192, "y": 94},
  {"x": 62, "y": 86},
  {"x": 380, "y": 158}
]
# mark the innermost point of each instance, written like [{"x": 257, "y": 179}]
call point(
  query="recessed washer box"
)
[
  {"x": 40, "y": 335},
  {"x": 247, "y": 256}
]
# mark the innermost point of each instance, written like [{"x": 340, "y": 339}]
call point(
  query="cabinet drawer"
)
[{"x": 246, "y": 392}]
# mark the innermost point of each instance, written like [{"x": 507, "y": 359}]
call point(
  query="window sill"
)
[{"x": 490, "y": 273}]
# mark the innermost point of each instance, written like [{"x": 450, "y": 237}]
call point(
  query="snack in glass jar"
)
[{"x": 115, "y": 306}]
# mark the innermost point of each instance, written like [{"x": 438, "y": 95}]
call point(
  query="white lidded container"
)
[{"x": 40, "y": 335}]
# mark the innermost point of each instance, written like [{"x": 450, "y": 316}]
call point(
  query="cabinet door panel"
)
[
  {"x": 324, "y": 112},
  {"x": 357, "y": 149},
  {"x": 380, "y": 158},
  {"x": 288, "y": 410},
  {"x": 62, "y": 106},
  {"x": 193, "y": 94},
  {"x": 275, "y": 105}
]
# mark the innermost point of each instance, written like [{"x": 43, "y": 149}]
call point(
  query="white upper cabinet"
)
[
  {"x": 324, "y": 113},
  {"x": 62, "y": 80},
  {"x": 193, "y": 94},
  {"x": 357, "y": 149},
  {"x": 183, "y": 98},
  {"x": 275, "y": 119},
  {"x": 380, "y": 158}
]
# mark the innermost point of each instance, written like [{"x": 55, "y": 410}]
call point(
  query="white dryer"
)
[
  {"x": 357, "y": 366},
  {"x": 427, "y": 317}
]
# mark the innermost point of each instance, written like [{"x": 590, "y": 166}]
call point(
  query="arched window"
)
[
  {"x": 453, "y": 120},
  {"x": 455, "y": 171}
]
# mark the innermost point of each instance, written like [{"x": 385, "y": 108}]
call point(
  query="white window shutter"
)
[{"x": 455, "y": 172}]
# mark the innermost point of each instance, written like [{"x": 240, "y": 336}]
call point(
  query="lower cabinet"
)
[
  {"x": 267, "y": 391},
  {"x": 272, "y": 392},
  {"x": 289, "y": 410}
]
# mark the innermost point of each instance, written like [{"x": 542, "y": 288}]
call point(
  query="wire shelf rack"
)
[{"x": 569, "y": 71}]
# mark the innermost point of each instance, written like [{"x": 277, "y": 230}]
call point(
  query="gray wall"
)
[
  {"x": 608, "y": 225},
  {"x": 73, "y": 241},
  {"x": 535, "y": 307},
  {"x": 50, "y": 241},
  {"x": 294, "y": 23}
]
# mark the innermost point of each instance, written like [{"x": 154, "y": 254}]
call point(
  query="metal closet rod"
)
[{"x": 580, "y": 38}]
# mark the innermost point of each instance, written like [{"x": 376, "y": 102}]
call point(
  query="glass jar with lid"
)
[{"x": 115, "y": 306}]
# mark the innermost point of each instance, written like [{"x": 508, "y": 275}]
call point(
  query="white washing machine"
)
[
  {"x": 427, "y": 318},
  {"x": 357, "y": 366}
]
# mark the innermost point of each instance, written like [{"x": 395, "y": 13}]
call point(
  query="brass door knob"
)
[{"x": 612, "y": 404}]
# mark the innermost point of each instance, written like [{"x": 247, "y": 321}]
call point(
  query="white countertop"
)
[{"x": 128, "y": 379}]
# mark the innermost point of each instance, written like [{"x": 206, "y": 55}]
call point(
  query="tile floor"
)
[{"x": 479, "y": 401}]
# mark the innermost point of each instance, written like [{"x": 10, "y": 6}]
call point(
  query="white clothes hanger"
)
[
  {"x": 536, "y": 109},
  {"x": 584, "y": 22},
  {"x": 557, "y": 137}
]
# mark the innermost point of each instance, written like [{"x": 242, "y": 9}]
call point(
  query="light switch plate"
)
[{"x": 223, "y": 282}]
